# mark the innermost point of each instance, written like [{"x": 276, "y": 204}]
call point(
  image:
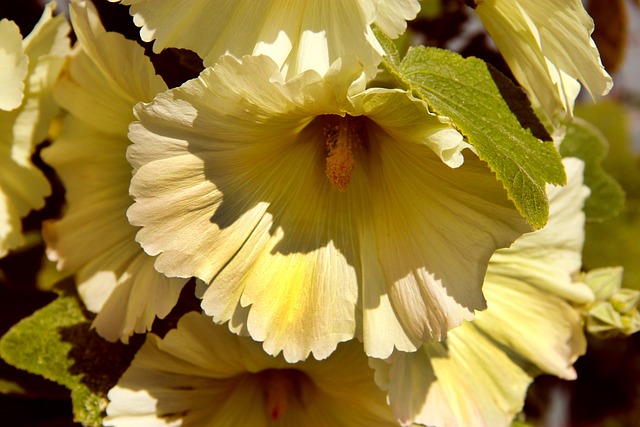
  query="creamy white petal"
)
[
  {"x": 93, "y": 239},
  {"x": 233, "y": 187},
  {"x": 202, "y": 375},
  {"x": 479, "y": 375},
  {"x": 548, "y": 46},
  {"x": 299, "y": 35},
  {"x": 23, "y": 186}
]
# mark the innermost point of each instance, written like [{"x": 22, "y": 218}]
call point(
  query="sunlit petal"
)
[
  {"x": 316, "y": 212},
  {"x": 548, "y": 46},
  {"x": 13, "y": 65},
  {"x": 298, "y": 35}
]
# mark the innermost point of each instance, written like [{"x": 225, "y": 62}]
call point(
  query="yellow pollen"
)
[{"x": 342, "y": 136}]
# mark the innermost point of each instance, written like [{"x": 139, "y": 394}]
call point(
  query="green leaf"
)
[
  {"x": 57, "y": 343},
  {"x": 496, "y": 118},
  {"x": 392, "y": 55},
  {"x": 586, "y": 142}
]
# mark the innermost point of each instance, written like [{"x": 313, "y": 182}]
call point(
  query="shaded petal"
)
[
  {"x": 436, "y": 229},
  {"x": 479, "y": 375},
  {"x": 198, "y": 363},
  {"x": 99, "y": 66},
  {"x": 547, "y": 52},
  {"x": 10, "y": 227},
  {"x": 116, "y": 279},
  {"x": 231, "y": 188},
  {"x": 22, "y": 185}
]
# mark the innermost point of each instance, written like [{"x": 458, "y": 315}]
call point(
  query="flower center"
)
[
  {"x": 343, "y": 136},
  {"x": 282, "y": 388}
]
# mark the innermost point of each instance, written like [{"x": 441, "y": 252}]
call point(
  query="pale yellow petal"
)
[
  {"x": 93, "y": 239},
  {"x": 199, "y": 363},
  {"x": 22, "y": 185},
  {"x": 537, "y": 325},
  {"x": 13, "y": 65},
  {"x": 549, "y": 53},
  {"x": 481, "y": 383},
  {"x": 435, "y": 253},
  {"x": 299, "y": 35},
  {"x": 47, "y": 46},
  {"x": 479, "y": 375},
  {"x": 567, "y": 43},
  {"x": 10, "y": 227},
  {"x": 99, "y": 66},
  {"x": 392, "y": 15},
  {"x": 232, "y": 187}
]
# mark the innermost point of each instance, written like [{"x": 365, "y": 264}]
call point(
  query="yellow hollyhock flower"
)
[
  {"x": 28, "y": 69},
  {"x": 479, "y": 375},
  {"x": 315, "y": 209},
  {"x": 548, "y": 46},
  {"x": 202, "y": 375},
  {"x": 106, "y": 76},
  {"x": 299, "y": 35}
]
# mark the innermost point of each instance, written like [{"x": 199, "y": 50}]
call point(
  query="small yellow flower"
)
[
  {"x": 548, "y": 46},
  {"x": 202, "y": 375},
  {"x": 316, "y": 210},
  {"x": 28, "y": 69},
  {"x": 299, "y": 35},
  {"x": 479, "y": 375},
  {"x": 106, "y": 76}
]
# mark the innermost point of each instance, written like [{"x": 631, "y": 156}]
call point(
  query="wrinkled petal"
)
[
  {"x": 548, "y": 46},
  {"x": 93, "y": 239},
  {"x": 13, "y": 66},
  {"x": 298, "y": 35},
  {"x": 23, "y": 187},
  {"x": 479, "y": 375},
  {"x": 177, "y": 379},
  {"x": 232, "y": 187}
]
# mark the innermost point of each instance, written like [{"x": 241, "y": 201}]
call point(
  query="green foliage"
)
[
  {"x": 56, "y": 342},
  {"x": 493, "y": 114},
  {"x": 586, "y": 142},
  {"x": 616, "y": 241}
]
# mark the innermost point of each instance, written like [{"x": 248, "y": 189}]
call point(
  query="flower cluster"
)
[{"x": 358, "y": 260}]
